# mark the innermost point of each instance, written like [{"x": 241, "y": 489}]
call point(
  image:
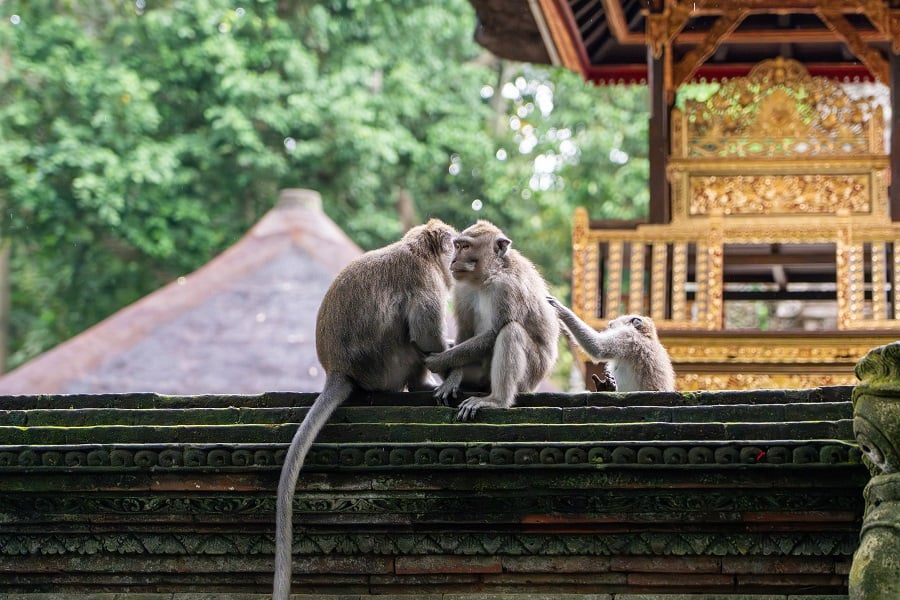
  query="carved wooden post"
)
[{"x": 876, "y": 423}]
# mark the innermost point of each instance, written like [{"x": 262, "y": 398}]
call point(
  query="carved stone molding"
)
[
  {"x": 412, "y": 456},
  {"x": 876, "y": 408},
  {"x": 661, "y": 505},
  {"x": 638, "y": 543}
]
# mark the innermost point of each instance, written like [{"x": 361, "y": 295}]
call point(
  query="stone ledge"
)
[{"x": 583, "y": 496}]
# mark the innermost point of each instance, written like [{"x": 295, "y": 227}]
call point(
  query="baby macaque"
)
[{"x": 634, "y": 356}]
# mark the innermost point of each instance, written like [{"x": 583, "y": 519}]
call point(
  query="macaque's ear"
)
[{"x": 502, "y": 246}]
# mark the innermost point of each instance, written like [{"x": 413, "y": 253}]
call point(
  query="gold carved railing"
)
[
  {"x": 776, "y": 158},
  {"x": 675, "y": 273}
]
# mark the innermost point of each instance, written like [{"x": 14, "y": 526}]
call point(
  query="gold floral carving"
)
[
  {"x": 760, "y": 350},
  {"x": 663, "y": 27},
  {"x": 778, "y": 110},
  {"x": 742, "y": 381},
  {"x": 778, "y": 194}
]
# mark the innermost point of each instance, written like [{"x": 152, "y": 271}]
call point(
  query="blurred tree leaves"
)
[{"x": 139, "y": 139}]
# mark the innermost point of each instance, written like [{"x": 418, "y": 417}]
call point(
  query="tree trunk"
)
[{"x": 406, "y": 209}]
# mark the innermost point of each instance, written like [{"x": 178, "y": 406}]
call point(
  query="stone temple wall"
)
[{"x": 750, "y": 494}]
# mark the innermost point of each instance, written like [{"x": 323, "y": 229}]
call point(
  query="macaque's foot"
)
[
  {"x": 469, "y": 406},
  {"x": 449, "y": 388}
]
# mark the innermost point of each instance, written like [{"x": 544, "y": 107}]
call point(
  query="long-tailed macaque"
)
[
  {"x": 633, "y": 353},
  {"x": 506, "y": 332},
  {"x": 380, "y": 317}
]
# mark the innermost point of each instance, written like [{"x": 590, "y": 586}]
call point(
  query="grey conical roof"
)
[{"x": 243, "y": 323}]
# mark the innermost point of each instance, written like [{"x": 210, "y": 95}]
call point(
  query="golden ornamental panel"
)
[
  {"x": 778, "y": 110},
  {"x": 778, "y": 194},
  {"x": 758, "y": 351},
  {"x": 691, "y": 382}
]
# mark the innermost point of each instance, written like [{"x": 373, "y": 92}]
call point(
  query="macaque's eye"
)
[{"x": 637, "y": 322}]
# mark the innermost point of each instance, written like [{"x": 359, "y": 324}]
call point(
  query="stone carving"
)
[
  {"x": 876, "y": 408},
  {"x": 401, "y": 543},
  {"x": 595, "y": 502},
  {"x": 875, "y": 572},
  {"x": 543, "y": 455}
]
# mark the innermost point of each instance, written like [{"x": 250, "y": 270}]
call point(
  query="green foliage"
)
[{"x": 136, "y": 143}]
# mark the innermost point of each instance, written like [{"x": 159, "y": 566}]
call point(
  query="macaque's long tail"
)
[{"x": 337, "y": 390}]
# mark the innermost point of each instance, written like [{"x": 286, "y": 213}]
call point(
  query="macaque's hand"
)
[
  {"x": 554, "y": 302},
  {"x": 449, "y": 388}
]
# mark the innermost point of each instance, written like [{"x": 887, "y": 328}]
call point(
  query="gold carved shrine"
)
[{"x": 779, "y": 206}]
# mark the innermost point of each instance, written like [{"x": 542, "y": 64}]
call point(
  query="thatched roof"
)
[{"x": 243, "y": 323}]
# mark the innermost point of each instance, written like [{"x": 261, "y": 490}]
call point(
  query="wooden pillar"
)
[
  {"x": 894, "y": 190},
  {"x": 658, "y": 152}
]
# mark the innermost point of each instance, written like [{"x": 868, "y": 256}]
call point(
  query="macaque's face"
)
[
  {"x": 476, "y": 252},
  {"x": 468, "y": 261}
]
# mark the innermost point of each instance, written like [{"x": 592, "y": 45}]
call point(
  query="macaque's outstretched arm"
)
[{"x": 600, "y": 345}]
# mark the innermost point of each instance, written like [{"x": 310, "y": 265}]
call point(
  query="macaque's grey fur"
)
[
  {"x": 380, "y": 317},
  {"x": 506, "y": 332},
  {"x": 630, "y": 347}
]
